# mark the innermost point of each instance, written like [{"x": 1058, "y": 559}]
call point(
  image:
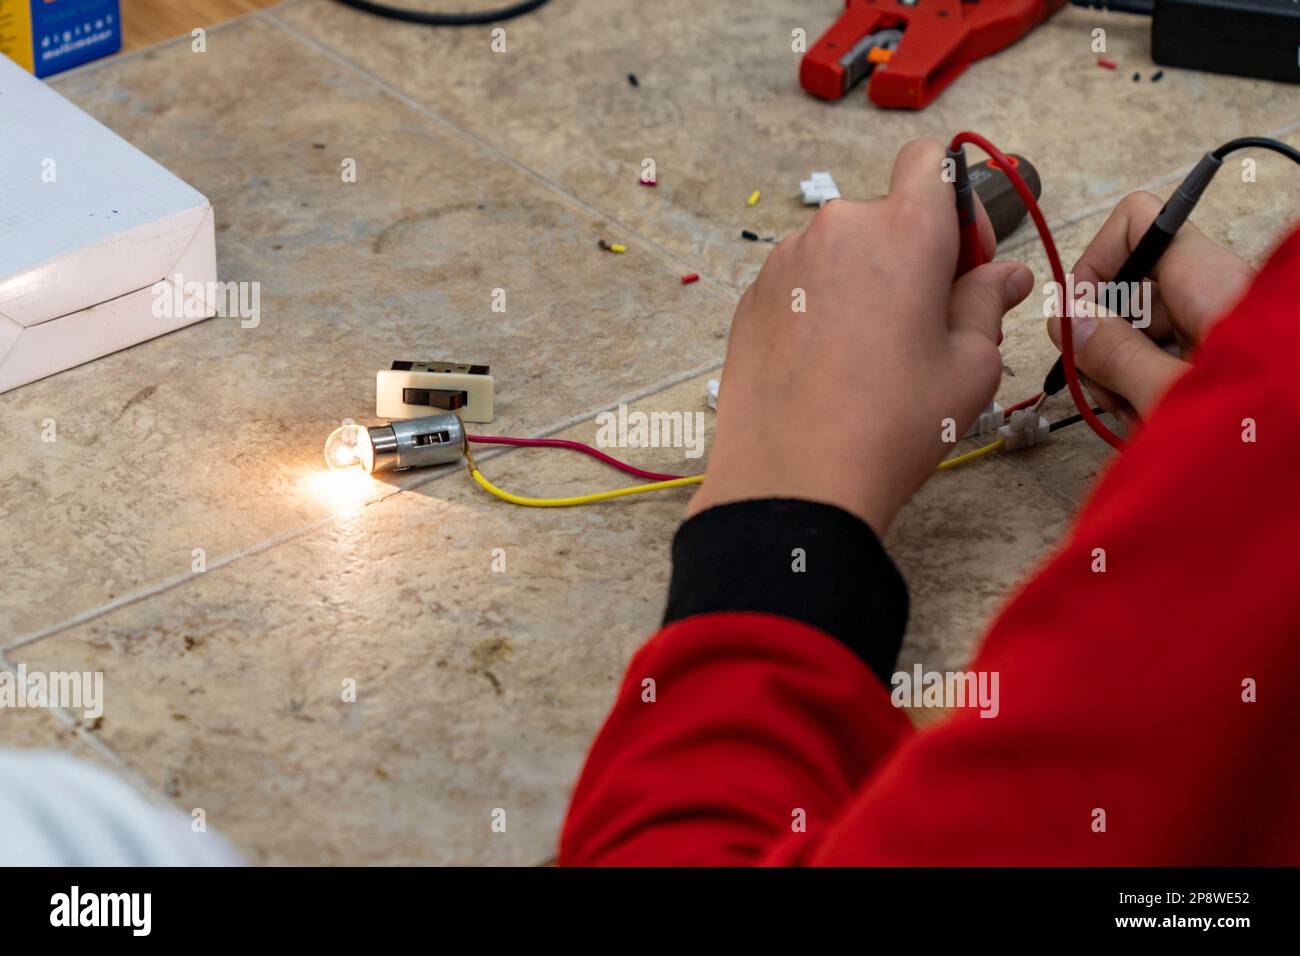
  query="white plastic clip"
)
[
  {"x": 1026, "y": 429},
  {"x": 991, "y": 419},
  {"x": 819, "y": 190}
]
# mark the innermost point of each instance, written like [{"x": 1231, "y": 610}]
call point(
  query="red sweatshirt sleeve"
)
[{"x": 1148, "y": 678}]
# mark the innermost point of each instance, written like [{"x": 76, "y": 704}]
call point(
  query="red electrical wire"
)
[
  {"x": 1058, "y": 273},
  {"x": 622, "y": 465},
  {"x": 572, "y": 446},
  {"x": 1025, "y": 404}
]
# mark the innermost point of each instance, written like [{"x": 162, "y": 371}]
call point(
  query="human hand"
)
[
  {"x": 1195, "y": 284},
  {"x": 845, "y": 403}
]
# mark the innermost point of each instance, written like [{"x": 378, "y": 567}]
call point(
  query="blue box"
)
[{"x": 48, "y": 36}]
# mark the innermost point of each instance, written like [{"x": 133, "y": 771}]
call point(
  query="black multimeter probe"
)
[{"x": 1142, "y": 260}]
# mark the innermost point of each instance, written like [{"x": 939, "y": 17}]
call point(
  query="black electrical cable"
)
[
  {"x": 1072, "y": 420},
  {"x": 473, "y": 18},
  {"x": 1257, "y": 142}
]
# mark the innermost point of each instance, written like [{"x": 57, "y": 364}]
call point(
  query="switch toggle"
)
[{"x": 446, "y": 399}]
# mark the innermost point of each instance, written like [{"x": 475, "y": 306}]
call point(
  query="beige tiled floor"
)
[
  {"x": 479, "y": 690},
  {"x": 719, "y": 110},
  {"x": 210, "y": 438}
]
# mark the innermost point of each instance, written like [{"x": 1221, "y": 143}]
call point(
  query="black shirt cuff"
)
[{"x": 804, "y": 560}]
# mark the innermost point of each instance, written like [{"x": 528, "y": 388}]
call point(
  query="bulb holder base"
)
[{"x": 417, "y": 443}]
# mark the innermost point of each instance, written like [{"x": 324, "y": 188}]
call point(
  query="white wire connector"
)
[
  {"x": 713, "y": 393},
  {"x": 991, "y": 419},
  {"x": 1026, "y": 429},
  {"x": 819, "y": 190}
]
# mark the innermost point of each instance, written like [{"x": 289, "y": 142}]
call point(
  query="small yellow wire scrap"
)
[{"x": 971, "y": 455}]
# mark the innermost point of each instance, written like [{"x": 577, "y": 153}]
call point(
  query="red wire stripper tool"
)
[{"x": 912, "y": 49}]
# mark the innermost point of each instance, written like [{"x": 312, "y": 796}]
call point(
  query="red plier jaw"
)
[
  {"x": 941, "y": 39},
  {"x": 838, "y": 60}
]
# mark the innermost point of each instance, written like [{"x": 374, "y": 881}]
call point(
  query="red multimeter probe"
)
[
  {"x": 912, "y": 49},
  {"x": 1006, "y": 210}
]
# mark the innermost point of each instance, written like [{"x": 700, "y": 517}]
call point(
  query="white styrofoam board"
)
[
  {"x": 91, "y": 244},
  {"x": 32, "y": 353}
]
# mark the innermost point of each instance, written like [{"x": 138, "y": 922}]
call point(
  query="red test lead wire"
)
[
  {"x": 1058, "y": 273},
  {"x": 972, "y": 247}
]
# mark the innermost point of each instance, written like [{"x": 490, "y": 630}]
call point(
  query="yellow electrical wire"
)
[
  {"x": 656, "y": 485},
  {"x": 971, "y": 455},
  {"x": 580, "y": 499}
]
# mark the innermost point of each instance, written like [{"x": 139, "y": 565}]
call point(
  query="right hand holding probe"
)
[
  {"x": 1194, "y": 283},
  {"x": 1161, "y": 232}
]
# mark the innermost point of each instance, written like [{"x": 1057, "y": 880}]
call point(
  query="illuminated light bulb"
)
[
  {"x": 414, "y": 443},
  {"x": 349, "y": 446}
]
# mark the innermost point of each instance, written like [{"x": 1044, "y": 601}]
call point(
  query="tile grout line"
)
[
  {"x": 1030, "y": 472},
  {"x": 487, "y": 146},
  {"x": 176, "y": 581},
  {"x": 77, "y": 730}
]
